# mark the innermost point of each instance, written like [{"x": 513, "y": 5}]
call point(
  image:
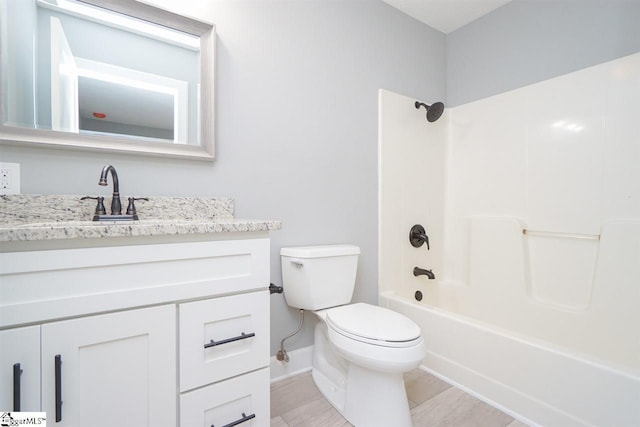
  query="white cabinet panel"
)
[
  {"x": 242, "y": 398},
  {"x": 20, "y": 351},
  {"x": 37, "y": 286},
  {"x": 223, "y": 320},
  {"x": 119, "y": 365}
]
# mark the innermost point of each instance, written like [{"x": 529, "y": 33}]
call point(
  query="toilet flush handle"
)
[{"x": 297, "y": 262}]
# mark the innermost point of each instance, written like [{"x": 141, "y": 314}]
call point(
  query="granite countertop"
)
[{"x": 51, "y": 217}]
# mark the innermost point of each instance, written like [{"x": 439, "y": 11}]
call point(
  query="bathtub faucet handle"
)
[{"x": 418, "y": 236}]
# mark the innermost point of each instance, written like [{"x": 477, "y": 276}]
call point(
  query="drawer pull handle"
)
[
  {"x": 242, "y": 336},
  {"x": 58, "y": 376},
  {"x": 17, "y": 372},
  {"x": 240, "y": 421}
]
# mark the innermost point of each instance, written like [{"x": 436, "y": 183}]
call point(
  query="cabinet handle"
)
[
  {"x": 58, "y": 375},
  {"x": 17, "y": 373},
  {"x": 240, "y": 421},
  {"x": 242, "y": 336}
]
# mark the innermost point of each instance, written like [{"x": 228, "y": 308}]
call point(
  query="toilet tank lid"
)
[{"x": 320, "y": 251}]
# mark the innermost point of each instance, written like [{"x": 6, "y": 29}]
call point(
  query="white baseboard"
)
[{"x": 300, "y": 361}]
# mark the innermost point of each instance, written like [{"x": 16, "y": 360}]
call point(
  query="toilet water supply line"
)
[{"x": 282, "y": 355}]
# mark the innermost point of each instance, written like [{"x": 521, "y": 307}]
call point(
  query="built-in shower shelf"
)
[{"x": 540, "y": 233}]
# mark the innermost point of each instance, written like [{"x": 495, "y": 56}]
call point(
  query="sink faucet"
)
[
  {"x": 417, "y": 271},
  {"x": 116, "y": 205}
]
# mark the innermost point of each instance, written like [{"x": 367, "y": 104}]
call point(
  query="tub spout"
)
[{"x": 417, "y": 271}]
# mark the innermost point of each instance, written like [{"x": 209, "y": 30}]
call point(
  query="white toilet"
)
[{"x": 360, "y": 350}]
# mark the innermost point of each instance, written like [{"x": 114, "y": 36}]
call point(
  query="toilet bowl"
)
[
  {"x": 360, "y": 350},
  {"x": 360, "y": 370}
]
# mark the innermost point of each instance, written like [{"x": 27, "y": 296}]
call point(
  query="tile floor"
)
[{"x": 297, "y": 402}]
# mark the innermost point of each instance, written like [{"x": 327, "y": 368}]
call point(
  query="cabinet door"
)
[
  {"x": 112, "y": 369},
  {"x": 20, "y": 369}
]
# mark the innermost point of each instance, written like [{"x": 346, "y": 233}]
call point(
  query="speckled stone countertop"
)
[{"x": 51, "y": 217}]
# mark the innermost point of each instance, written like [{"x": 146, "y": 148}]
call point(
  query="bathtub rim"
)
[{"x": 538, "y": 343}]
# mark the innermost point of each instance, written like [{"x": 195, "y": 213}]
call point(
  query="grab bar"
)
[{"x": 561, "y": 235}]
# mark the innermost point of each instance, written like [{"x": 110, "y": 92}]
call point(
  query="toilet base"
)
[
  {"x": 376, "y": 399},
  {"x": 364, "y": 397}
]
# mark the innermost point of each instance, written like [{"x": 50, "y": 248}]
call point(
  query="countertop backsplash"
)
[{"x": 26, "y": 208}]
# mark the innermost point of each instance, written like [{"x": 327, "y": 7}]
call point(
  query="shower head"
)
[{"x": 434, "y": 111}]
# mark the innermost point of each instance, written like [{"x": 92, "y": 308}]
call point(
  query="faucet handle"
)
[
  {"x": 131, "y": 209},
  {"x": 100, "y": 210},
  {"x": 418, "y": 236}
]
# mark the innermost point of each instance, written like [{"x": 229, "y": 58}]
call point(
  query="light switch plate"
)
[{"x": 9, "y": 178}]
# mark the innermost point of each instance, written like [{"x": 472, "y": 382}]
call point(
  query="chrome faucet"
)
[
  {"x": 417, "y": 271},
  {"x": 116, "y": 205}
]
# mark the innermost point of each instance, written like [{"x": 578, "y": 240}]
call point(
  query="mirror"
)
[{"x": 106, "y": 75}]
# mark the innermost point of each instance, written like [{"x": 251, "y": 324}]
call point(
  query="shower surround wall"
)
[{"x": 543, "y": 323}]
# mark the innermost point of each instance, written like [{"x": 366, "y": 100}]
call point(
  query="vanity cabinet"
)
[{"x": 164, "y": 334}]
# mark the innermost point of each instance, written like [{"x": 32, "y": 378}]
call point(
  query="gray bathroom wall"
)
[
  {"x": 297, "y": 126},
  {"x": 527, "y": 41}
]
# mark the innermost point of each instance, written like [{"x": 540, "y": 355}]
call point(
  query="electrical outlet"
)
[{"x": 9, "y": 178}]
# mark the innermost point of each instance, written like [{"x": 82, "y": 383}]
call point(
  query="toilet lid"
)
[{"x": 373, "y": 323}]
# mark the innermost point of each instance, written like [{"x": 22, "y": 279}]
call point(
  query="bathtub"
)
[
  {"x": 534, "y": 244},
  {"x": 532, "y": 380}
]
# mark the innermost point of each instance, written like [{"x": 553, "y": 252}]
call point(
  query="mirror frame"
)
[{"x": 13, "y": 135}]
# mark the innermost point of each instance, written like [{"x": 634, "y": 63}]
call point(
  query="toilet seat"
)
[{"x": 374, "y": 325}]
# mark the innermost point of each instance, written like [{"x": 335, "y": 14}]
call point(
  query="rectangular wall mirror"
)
[{"x": 106, "y": 75}]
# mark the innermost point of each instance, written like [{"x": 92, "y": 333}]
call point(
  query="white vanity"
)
[{"x": 158, "y": 323}]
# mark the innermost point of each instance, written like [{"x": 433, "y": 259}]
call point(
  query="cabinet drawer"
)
[
  {"x": 223, "y": 337},
  {"x": 242, "y": 398},
  {"x": 43, "y": 285}
]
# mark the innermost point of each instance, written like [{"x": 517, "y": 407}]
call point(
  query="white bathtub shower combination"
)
[{"x": 531, "y": 200}]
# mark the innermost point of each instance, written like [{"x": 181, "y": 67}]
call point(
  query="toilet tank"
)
[{"x": 317, "y": 277}]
